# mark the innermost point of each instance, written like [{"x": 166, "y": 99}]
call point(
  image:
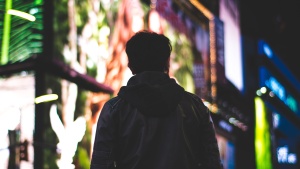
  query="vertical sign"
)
[
  {"x": 229, "y": 14},
  {"x": 262, "y": 136},
  {"x": 216, "y": 55},
  {"x": 219, "y": 31}
]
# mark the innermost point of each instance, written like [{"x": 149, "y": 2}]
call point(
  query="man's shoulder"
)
[
  {"x": 114, "y": 101},
  {"x": 193, "y": 96}
]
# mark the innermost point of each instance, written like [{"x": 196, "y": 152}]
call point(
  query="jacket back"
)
[{"x": 154, "y": 124}]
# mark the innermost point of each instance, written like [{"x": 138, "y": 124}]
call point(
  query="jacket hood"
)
[{"x": 152, "y": 93}]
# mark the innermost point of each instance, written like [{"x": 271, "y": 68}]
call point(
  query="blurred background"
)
[
  {"x": 277, "y": 22},
  {"x": 61, "y": 60}
]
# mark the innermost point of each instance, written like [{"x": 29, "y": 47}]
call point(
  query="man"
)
[{"x": 154, "y": 123}]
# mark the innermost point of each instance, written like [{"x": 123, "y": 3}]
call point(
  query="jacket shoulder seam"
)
[
  {"x": 197, "y": 98},
  {"x": 113, "y": 102}
]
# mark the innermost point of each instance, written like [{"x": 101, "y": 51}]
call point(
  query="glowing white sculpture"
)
[{"x": 68, "y": 137}]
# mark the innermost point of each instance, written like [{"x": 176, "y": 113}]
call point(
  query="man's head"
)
[{"x": 148, "y": 51}]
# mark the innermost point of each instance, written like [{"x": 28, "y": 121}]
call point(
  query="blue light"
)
[
  {"x": 225, "y": 126},
  {"x": 266, "y": 79},
  {"x": 267, "y": 50}
]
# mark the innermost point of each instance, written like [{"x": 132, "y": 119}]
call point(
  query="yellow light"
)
[
  {"x": 21, "y": 14},
  {"x": 203, "y": 9},
  {"x": 262, "y": 136},
  {"x": 45, "y": 98}
]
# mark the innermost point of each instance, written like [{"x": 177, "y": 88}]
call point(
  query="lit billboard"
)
[{"x": 233, "y": 62}]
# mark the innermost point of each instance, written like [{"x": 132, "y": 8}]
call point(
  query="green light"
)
[
  {"x": 262, "y": 136},
  {"x": 6, "y": 34},
  {"x": 38, "y": 2}
]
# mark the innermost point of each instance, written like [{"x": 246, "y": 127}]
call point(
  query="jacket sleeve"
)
[
  {"x": 103, "y": 150},
  {"x": 209, "y": 144}
]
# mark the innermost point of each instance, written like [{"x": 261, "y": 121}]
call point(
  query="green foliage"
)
[
  {"x": 82, "y": 160},
  {"x": 81, "y": 103},
  {"x": 183, "y": 57},
  {"x": 50, "y": 155},
  {"x": 92, "y": 71},
  {"x": 60, "y": 27}
]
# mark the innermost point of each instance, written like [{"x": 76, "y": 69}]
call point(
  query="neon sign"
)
[{"x": 278, "y": 89}]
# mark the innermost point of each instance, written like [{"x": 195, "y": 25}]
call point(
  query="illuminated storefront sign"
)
[{"x": 266, "y": 79}]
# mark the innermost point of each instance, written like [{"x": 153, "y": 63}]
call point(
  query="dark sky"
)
[{"x": 278, "y": 22}]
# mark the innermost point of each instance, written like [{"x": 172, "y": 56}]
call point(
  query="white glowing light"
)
[
  {"x": 258, "y": 93},
  {"x": 263, "y": 90},
  {"x": 232, "y": 120},
  {"x": 33, "y": 11},
  {"x": 283, "y": 156},
  {"x": 21, "y": 14},
  {"x": 292, "y": 158}
]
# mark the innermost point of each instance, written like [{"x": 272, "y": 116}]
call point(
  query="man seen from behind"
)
[{"x": 154, "y": 123}]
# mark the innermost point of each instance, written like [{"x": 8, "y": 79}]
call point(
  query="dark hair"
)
[{"x": 148, "y": 51}]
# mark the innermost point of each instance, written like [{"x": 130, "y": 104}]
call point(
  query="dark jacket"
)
[{"x": 154, "y": 124}]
